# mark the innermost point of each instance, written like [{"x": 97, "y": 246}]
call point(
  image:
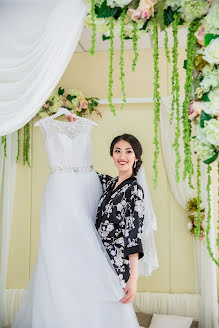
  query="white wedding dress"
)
[{"x": 73, "y": 284}]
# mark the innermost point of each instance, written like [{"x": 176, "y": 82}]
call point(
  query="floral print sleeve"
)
[
  {"x": 104, "y": 179},
  {"x": 134, "y": 223}
]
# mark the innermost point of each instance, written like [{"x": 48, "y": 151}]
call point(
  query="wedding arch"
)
[{"x": 195, "y": 119}]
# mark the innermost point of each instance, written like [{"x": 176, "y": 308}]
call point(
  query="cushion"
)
[
  {"x": 145, "y": 320},
  {"x": 170, "y": 321}
]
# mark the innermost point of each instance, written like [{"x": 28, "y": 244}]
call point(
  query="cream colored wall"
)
[{"x": 174, "y": 244}]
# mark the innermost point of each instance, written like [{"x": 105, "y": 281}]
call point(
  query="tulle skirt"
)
[{"x": 73, "y": 283}]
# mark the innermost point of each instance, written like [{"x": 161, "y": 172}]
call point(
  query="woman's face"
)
[{"x": 124, "y": 156}]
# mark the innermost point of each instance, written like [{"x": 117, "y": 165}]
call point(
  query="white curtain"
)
[
  {"x": 38, "y": 39},
  {"x": 205, "y": 268},
  {"x": 7, "y": 186}
]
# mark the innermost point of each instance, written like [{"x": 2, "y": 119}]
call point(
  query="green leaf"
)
[
  {"x": 181, "y": 21},
  {"x": 69, "y": 97},
  {"x": 209, "y": 37},
  {"x": 211, "y": 159},
  {"x": 127, "y": 38},
  {"x": 185, "y": 63},
  {"x": 61, "y": 91},
  {"x": 105, "y": 11},
  {"x": 168, "y": 16},
  {"x": 134, "y": 4},
  {"x": 104, "y": 37},
  {"x": 145, "y": 25},
  {"x": 205, "y": 97},
  {"x": 204, "y": 117}
]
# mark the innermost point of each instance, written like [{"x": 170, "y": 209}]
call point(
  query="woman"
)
[{"x": 120, "y": 212}]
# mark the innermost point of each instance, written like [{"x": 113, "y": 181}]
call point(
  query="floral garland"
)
[
  {"x": 192, "y": 225},
  {"x": 134, "y": 18}
]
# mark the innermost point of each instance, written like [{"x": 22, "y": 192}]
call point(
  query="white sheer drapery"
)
[
  {"x": 38, "y": 38},
  {"x": 205, "y": 268},
  {"x": 7, "y": 186}
]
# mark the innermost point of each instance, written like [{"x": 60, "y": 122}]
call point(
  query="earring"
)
[{"x": 135, "y": 164}]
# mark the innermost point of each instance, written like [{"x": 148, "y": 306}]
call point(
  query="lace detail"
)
[
  {"x": 71, "y": 129},
  {"x": 71, "y": 169}
]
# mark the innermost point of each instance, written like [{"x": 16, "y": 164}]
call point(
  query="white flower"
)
[
  {"x": 212, "y": 107},
  {"x": 211, "y": 78},
  {"x": 212, "y": 131},
  {"x": 203, "y": 149},
  {"x": 189, "y": 9},
  {"x": 110, "y": 227},
  {"x": 211, "y": 20},
  {"x": 211, "y": 52}
]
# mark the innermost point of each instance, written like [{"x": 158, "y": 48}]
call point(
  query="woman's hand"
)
[
  {"x": 70, "y": 118},
  {"x": 130, "y": 290}
]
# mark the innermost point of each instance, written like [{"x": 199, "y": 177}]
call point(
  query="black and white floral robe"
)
[{"x": 119, "y": 222}]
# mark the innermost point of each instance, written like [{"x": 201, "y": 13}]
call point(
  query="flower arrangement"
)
[
  {"x": 72, "y": 100},
  {"x": 192, "y": 209}
]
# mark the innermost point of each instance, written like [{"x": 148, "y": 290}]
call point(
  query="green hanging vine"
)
[
  {"x": 175, "y": 94},
  {"x": 93, "y": 37},
  {"x": 110, "y": 94},
  {"x": 135, "y": 45},
  {"x": 4, "y": 142},
  {"x": 167, "y": 51},
  {"x": 26, "y": 144},
  {"x": 198, "y": 220},
  {"x": 156, "y": 99},
  {"x": 191, "y": 48},
  {"x": 18, "y": 144},
  {"x": 122, "y": 74},
  {"x": 208, "y": 221}
]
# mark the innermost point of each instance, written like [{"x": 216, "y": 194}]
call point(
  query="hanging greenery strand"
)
[
  {"x": 135, "y": 45},
  {"x": 18, "y": 144},
  {"x": 93, "y": 37},
  {"x": 167, "y": 51},
  {"x": 156, "y": 99},
  {"x": 198, "y": 220},
  {"x": 4, "y": 142},
  {"x": 110, "y": 94},
  {"x": 175, "y": 93},
  {"x": 208, "y": 221},
  {"x": 27, "y": 143},
  {"x": 190, "y": 50},
  {"x": 24, "y": 145},
  {"x": 122, "y": 74}
]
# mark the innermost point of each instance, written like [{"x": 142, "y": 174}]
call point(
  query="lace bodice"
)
[{"x": 67, "y": 144}]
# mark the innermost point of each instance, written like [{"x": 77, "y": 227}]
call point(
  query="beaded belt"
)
[{"x": 81, "y": 169}]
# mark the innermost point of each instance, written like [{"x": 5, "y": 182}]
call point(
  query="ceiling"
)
[{"x": 144, "y": 43}]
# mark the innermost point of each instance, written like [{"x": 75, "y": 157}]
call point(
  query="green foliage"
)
[
  {"x": 208, "y": 221},
  {"x": 167, "y": 52},
  {"x": 93, "y": 37},
  {"x": 190, "y": 50},
  {"x": 110, "y": 94},
  {"x": 209, "y": 37},
  {"x": 105, "y": 11},
  {"x": 135, "y": 44},
  {"x": 122, "y": 74},
  {"x": 156, "y": 99},
  {"x": 4, "y": 142},
  {"x": 61, "y": 91},
  {"x": 198, "y": 220},
  {"x": 175, "y": 94}
]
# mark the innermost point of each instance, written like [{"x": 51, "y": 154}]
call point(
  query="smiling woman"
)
[{"x": 120, "y": 213}]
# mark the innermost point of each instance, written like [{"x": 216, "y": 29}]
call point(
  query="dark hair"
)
[{"x": 135, "y": 145}]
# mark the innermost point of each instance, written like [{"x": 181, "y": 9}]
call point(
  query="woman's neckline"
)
[{"x": 121, "y": 183}]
